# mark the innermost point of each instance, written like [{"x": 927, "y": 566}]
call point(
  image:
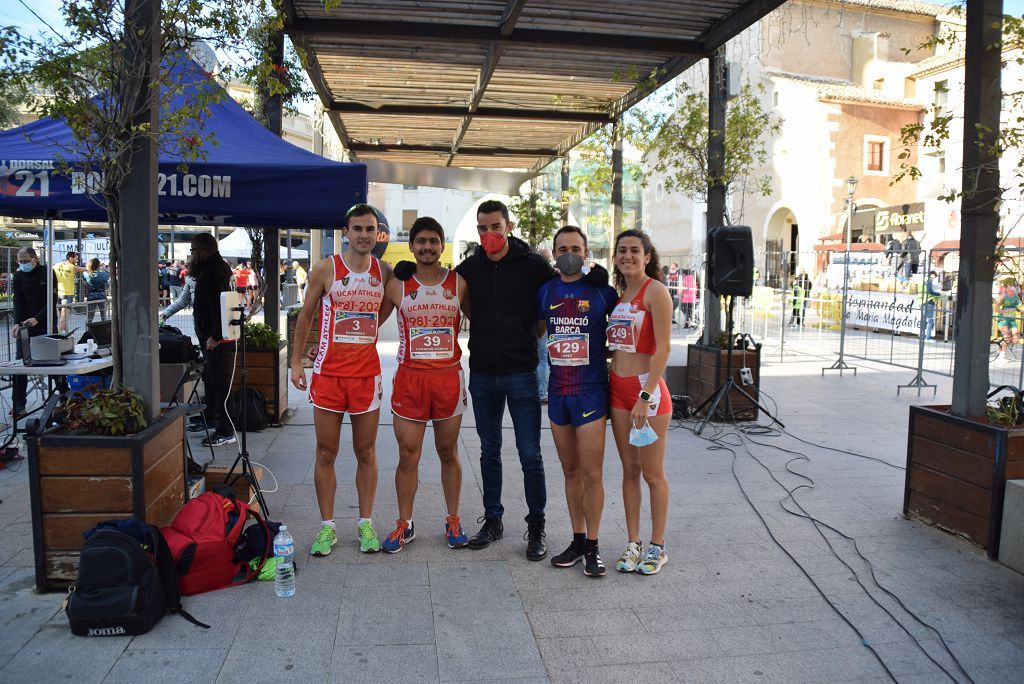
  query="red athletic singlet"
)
[
  {"x": 348, "y": 322},
  {"x": 428, "y": 324},
  {"x": 630, "y": 327}
]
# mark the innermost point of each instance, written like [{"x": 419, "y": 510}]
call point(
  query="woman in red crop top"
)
[{"x": 638, "y": 337}]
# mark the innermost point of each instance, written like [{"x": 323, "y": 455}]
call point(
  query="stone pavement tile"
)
[
  {"x": 483, "y": 585},
  {"x": 378, "y": 572},
  {"x": 782, "y": 638},
  {"x": 166, "y": 665},
  {"x": 371, "y": 664},
  {"x": 318, "y": 586},
  {"x": 224, "y": 610},
  {"x": 55, "y": 654},
  {"x": 299, "y": 648},
  {"x": 572, "y": 623},
  {"x": 22, "y": 611},
  {"x": 474, "y": 644},
  {"x": 642, "y": 648},
  {"x": 387, "y": 614},
  {"x": 615, "y": 674},
  {"x": 811, "y": 667},
  {"x": 569, "y": 654}
]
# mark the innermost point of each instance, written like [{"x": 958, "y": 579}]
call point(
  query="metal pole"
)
[
  {"x": 919, "y": 382},
  {"x": 840, "y": 364},
  {"x": 50, "y": 322},
  {"x": 565, "y": 190}
]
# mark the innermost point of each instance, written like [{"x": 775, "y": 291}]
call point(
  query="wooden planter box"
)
[
  {"x": 957, "y": 470},
  {"x": 78, "y": 481},
  {"x": 268, "y": 373},
  {"x": 706, "y": 371},
  {"x": 312, "y": 339}
]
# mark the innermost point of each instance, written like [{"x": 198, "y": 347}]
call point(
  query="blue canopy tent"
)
[{"x": 250, "y": 177}]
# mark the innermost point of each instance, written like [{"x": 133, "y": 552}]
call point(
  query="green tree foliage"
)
[
  {"x": 680, "y": 149},
  {"x": 87, "y": 77},
  {"x": 537, "y": 216}
]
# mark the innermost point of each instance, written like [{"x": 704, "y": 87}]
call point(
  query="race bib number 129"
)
[
  {"x": 355, "y": 327},
  {"x": 569, "y": 349}
]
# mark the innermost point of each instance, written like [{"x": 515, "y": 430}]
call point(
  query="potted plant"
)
[
  {"x": 101, "y": 460},
  {"x": 312, "y": 338},
  {"x": 266, "y": 363},
  {"x": 957, "y": 467},
  {"x": 707, "y": 368}
]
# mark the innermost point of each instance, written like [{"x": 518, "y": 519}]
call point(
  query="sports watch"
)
[{"x": 645, "y": 396}]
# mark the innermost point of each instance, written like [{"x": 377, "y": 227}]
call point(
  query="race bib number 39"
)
[
  {"x": 569, "y": 350},
  {"x": 431, "y": 343},
  {"x": 621, "y": 335},
  {"x": 355, "y": 327}
]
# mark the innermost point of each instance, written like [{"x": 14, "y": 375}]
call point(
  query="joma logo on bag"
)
[{"x": 105, "y": 631}]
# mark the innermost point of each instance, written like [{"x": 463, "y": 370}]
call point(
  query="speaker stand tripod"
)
[
  {"x": 724, "y": 391},
  {"x": 247, "y": 472}
]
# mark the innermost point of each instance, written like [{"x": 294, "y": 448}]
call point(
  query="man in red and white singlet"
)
[
  {"x": 348, "y": 291},
  {"x": 429, "y": 384}
]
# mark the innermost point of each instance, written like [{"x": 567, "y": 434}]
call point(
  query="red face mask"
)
[{"x": 492, "y": 242}]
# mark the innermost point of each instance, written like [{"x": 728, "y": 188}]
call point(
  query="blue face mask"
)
[
  {"x": 26, "y": 268},
  {"x": 643, "y": 436}
]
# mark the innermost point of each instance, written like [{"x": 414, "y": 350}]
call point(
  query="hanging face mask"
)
[
  {"x": 643, "y": 436},
  {"x": 569, "y": 264},
  {"x": 492, "y": 242},
  {"x": 26, "y": 268}
]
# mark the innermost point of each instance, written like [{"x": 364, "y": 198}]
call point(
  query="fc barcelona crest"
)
[
  {"x": 344, "y": 280},
  {"x": 448, "y": 294},
  {"x": 583, "y": 305},
  {"x": 374, "y": 281}
]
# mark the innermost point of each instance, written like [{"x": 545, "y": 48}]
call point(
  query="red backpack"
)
[{"x": 202, "y": 539}]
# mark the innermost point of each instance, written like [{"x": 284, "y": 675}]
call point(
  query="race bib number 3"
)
[
  {"x": 431, "y": 343},
  {"x": 621, "y": 335},
  {"x": 569, "y": 350},
  {"x": 355, "y": 327}
]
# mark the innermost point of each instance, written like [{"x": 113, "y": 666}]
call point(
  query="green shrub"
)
[
  {"x": 107, "y": 412},
  {"x": 261, "y": 336}
]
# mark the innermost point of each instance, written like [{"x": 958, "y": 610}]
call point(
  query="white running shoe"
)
[
  {"x": 652, "y": 562},
  {"x": 630, "y": 558}
]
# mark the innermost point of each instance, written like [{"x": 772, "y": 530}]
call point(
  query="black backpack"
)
[
  {"x": 124, "y": 585},
  {"x": 255, "y": 410},
  {"x": 176, "y": 347}
]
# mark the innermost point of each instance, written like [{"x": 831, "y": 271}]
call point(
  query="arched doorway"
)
[{"x": 781, "y": 248}]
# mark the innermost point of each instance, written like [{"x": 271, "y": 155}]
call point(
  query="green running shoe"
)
[
  {"x": 368, "y": 540},
  {"x": 325, "y": 539}
]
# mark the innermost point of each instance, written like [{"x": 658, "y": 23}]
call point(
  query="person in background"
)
[
  {"x": 795, "y": 317},
  {"x": 65, "y": 273},
  {"x": 805, "y": 283},
  {"x": 29, "y": 289},
  {"x": 894, "y": 253},
  {"x": 96, "y": 280},
  {"x": 212, "y": 276},
  {"x": 164, "y": 281},
  {"x": 543, "y": 365},
  {"x": 175, "y": 276},
  {"x": 672, "y": 283},
  {"x": 912, "y": 253},
  {"x": 931, "y": 297},
  {"x": 300, "y": 278},
  {"x": 1008, "y": 305},
  {"x": 687, "y": 297},
  {"x": 183, "y": 300},
  {"x": 639, "y": 332}
]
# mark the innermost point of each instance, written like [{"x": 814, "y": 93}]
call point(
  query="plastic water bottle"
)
[{"x": 284, "y": 551}]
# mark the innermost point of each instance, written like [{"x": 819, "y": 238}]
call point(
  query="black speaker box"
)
[{"x": 731, "y": 261}]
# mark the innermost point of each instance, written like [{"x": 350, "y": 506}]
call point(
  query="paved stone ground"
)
[{"x": 730, "y": 606}]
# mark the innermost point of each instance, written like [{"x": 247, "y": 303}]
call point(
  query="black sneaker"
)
[
  {"x": 572, "y": 555},
  {"x": 197, "y": 427},
  {"x": 219, "y": 440},
  {"x": 592, "y": 564},
  {"x": 491, "y": 531},
  {"x": 536, "y": 549}
]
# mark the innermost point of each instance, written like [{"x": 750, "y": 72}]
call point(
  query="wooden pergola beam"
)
[{"x": 579, "y": 116}]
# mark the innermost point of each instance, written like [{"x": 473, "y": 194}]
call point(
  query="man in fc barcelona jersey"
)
[
  {"x": 573, "y": 318},
  {"x": 348, "y": 290}
]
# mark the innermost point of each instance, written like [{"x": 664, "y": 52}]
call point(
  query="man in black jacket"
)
[
  {"x": 29, "y": 289},
  {"x": 503, "y": 276},
  {"x": 212, "y": 276}
]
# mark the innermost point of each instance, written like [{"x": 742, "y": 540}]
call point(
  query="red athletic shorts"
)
[
  {"x": 345, "y": 395},
  {"x": 428, "y": 395},
  {"x": 625, "y": 390}
]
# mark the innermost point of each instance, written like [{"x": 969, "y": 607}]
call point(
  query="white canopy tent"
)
[{"x": 238, "y": 245}]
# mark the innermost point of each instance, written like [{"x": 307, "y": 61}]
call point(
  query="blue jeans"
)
[
  {"x": 929, "y": 320},
  {"x": 543, "y": 370},
  {"x": 490, "y": 394}
]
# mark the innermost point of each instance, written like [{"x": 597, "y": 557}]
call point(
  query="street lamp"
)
[{"x": 840, "y": 364}]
